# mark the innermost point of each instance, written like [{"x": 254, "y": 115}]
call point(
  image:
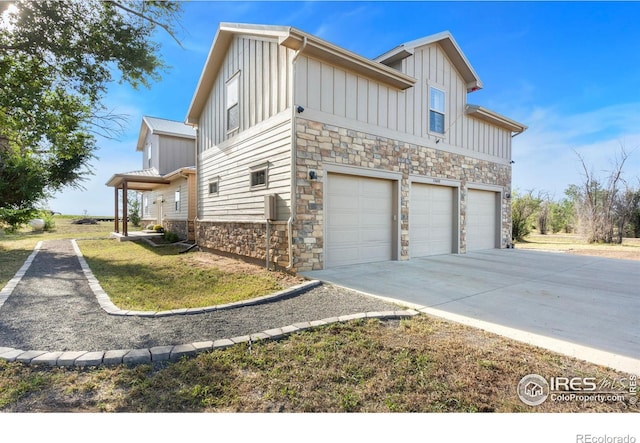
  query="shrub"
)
[
  {"x": 171, "y": 237},
  {"x": 158, "y": 228},
  {"x": 49, "y": 222},
  {"x": 149, "y": 227}
]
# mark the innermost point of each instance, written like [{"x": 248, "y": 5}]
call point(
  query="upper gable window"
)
[
  {"x": 436, "y": 110},
  {"x": 233, "y": 106},
  {"x": 149, "y": 154}
]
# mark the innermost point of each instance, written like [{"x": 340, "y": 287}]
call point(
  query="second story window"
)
[
  {"x": 436, "y": 110},
  {"x": 149, "y": 155},
  {"x": 233, "y": 107}
]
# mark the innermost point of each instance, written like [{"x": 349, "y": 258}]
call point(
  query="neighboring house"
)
[
  {"x": 365, "y": 160},
  {"x": 167, "y": 180}
]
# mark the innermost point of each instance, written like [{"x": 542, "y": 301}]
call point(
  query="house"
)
[
  {"x": 167, "y": 179},
  {"x": 311, "y": 156}
]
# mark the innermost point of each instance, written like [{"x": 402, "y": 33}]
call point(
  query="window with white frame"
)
[
  {"x": 149, "y": 155},
  {"x": 259, "y": 176},
  {"x": 233, "y": 106},
  {"x": 214, "y": 185},
  {"x": 145, "y": 205},
  {"x": 436, "y": 110},
  {"x": 177, "y": 199}
]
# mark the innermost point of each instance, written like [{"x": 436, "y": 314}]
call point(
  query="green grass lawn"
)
[{"x": 140, "y": 277}]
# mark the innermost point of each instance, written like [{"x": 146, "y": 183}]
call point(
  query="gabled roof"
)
[
  {"x": 163, "y": 126},
  {"x": 294, "y": 39},
  {"x": 450, "y": 47}
]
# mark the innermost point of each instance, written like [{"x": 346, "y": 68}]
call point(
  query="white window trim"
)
[
  {"x": 178, "y": 199},
  {"x": 216, "y": 181},
  {"x": 442, "y": 89},
  {"x": 234, "y": 78},
  {"x": 149, "y": 155},
  {"x": 257, "y": 168}
]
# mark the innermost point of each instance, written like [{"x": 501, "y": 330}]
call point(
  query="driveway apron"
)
[
  {"x": 53, "y": 309},
  {"x": 588, "y": 301}
]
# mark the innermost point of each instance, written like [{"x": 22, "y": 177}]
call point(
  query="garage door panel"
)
[
  {"x": 431, "y": 220},
  {"x": 481, "y": 220},
  {"x": 359, "y": 220}
]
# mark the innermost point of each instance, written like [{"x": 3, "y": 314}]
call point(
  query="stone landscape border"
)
[{"x": 170, "y": 352}]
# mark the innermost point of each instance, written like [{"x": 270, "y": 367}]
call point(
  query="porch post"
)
[
  {"x": 125, "y": 230},
  {"x": 116, "y": 227}
]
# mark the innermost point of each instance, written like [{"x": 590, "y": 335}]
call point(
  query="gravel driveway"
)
[{"x": 54, "y": 309}]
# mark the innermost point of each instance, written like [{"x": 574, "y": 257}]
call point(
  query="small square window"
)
[
  {"x": 213, "y": 187},
  {"x": 259, "y": 178}
]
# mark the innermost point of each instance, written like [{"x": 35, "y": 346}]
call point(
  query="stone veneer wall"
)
[
  {"x": 318, "y": 143},
  {"x": 177, "y": 226},
  {"x": 246, "y": 239}
]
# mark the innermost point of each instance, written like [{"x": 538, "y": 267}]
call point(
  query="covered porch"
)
[{"x": 141, "y": 181}]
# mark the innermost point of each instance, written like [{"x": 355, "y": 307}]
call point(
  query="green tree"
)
[
  {"x": 57, "y": 59},
  {"x": 133, "y": 202},
  {"x": 523, "y": 210}
]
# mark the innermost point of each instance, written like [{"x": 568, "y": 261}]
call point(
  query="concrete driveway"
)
[{"x": 586, "y": 307}]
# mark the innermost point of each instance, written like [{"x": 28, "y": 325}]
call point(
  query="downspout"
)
[
  {"x": 293, "y": 153},
  {"x": 195, "y": 220}
]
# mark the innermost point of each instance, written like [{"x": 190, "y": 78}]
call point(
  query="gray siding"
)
[
  {"x": 263, "y": 66},
  {"x": 175, "y": 153},
  {"x": 334, "y": 91},
  {"x": 231, "y": 163}
]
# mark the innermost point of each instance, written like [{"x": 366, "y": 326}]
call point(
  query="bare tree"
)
[{"x": 600, "y": 202}]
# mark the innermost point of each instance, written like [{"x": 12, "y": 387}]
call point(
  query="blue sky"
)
[{"x": 567, "y": 70}]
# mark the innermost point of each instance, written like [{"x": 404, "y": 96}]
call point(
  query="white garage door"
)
[
  {"x": 358, "y": 220},
  {"x": 481, "y": 220},
  {"x": 431, "y": 220}
]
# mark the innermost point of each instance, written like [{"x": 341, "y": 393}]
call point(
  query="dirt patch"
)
[{"x": 235, "y": 265}]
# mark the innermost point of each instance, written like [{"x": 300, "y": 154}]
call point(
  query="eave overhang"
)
[
  {"x": 294, "y": 39},
  {"x": 495, "y": 118},
  {"x": 136, "y": 182}
]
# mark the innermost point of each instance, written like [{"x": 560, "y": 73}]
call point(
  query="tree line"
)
[{"x": 602, "y": 209}]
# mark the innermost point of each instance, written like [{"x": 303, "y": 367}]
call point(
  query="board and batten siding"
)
[
  {"x": 175, "y": 153},
  {"x": 264, "y": 69},
  {"x": 332, "y": 90},
  {"x": 230, "y": 164}
]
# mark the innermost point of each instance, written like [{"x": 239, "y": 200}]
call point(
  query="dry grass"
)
[
  {"x": 416, "y": 365},
  {"x": 574, "y": 244}
]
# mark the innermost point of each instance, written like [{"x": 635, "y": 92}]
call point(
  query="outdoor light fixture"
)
[
  {"x": 300, "y": 109},
  {"x": 313, "y": 175}
]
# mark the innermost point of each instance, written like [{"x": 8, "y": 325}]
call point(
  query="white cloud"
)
[{"x": 545, "y": 154}]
